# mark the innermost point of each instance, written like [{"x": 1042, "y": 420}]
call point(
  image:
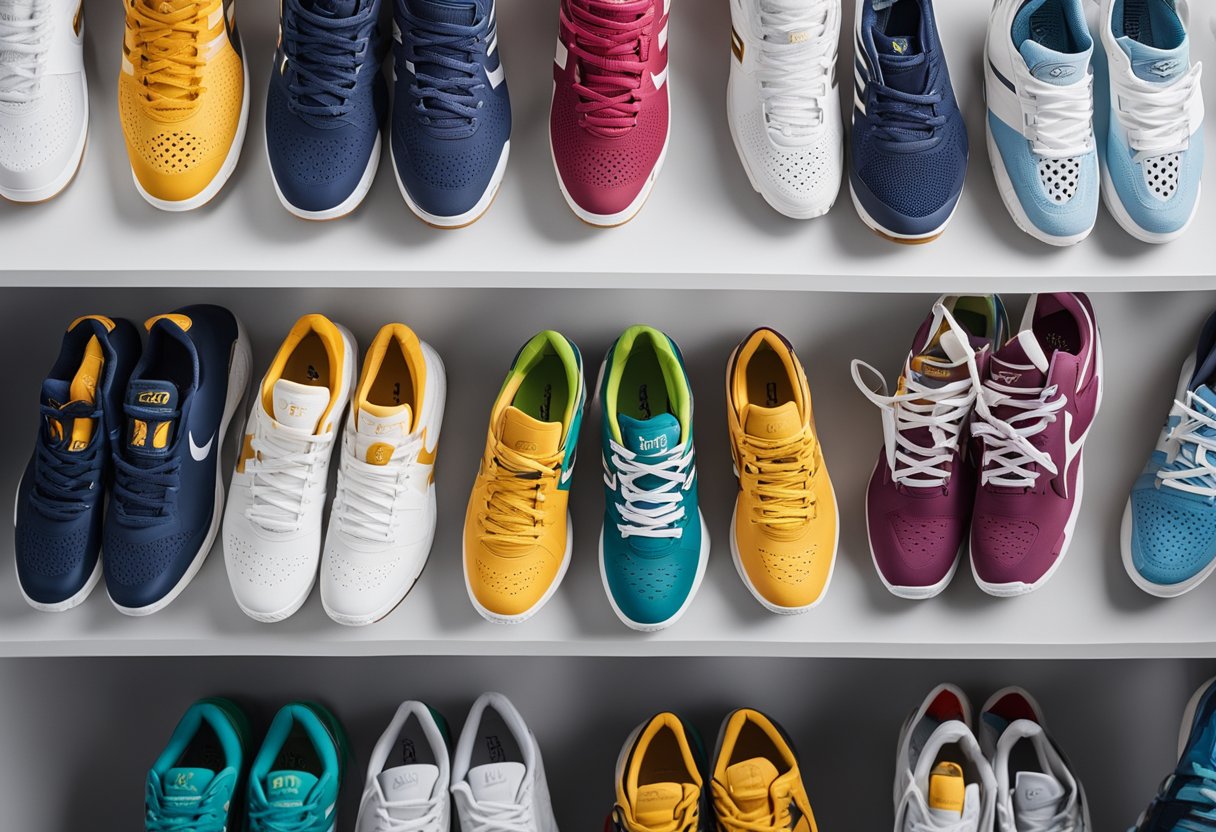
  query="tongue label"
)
[
  {"x": 185, "y": 786},
  {"x": 409, "y": 782},
  {"x": 947, "y": 788},
  {"x": 496, "y": 782},
  {"x": 289, "y": 788},
  {"x": 299, "y": 406}
]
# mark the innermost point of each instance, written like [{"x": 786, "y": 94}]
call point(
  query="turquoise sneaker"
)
[
  {"x": 295, "y": 778},
  {"x": 192, "y": 782},
  {"x": 654, "y": 544}
]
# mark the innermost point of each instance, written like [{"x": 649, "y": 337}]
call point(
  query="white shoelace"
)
[
  {"x": 664, "y": 500},
  {"x": 795, "y": 77},
  {"x": 23, "y": 45},
  {"x": 501, "y": 817},
  {"x": 1158, "y": 118},
  {"x": 1194, "y": 468},
  {"x": 1060, "y": 118},
  {"x": 282, "y": 468},
  {"x": 1065, "y": 821},
  {"x": 428, "y": 822},
  {"x": 918, "y": 819},
  {"x": 1008, "y": 452},
  {"x": 371, "y": 493}
]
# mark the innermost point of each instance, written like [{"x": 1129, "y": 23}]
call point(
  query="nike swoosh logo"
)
[
  {"x": 660, "y": 79},
  {"x": 567, "y": 474},
  {"x": 609, "y": 476},
  {"x": 496, "y": 75},
  {"x": 201, "y": 452}
]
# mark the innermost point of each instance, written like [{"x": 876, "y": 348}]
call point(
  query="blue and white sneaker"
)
[
  {"x": 1152, "y": 156},
  {"x": 909, "y": 142},
  {"x": 1187, "y": 798},
  {"x": 654, "y": 545},
  {"x": 1169, "y": 525},
  {"x": 168, "y": 495},
  {"x": 1039, "y": 88},
  {"x": 60, "y": 501},
  {"x": 451, "y": 112},
  {"x": 325, "y": 107}
]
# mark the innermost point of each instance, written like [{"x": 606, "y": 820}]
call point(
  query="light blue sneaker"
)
[
  {"x": 296, "y": 776},
  {"x": 192, "y": 783},
  {"x": 654, "y": 544},
  {"x": 1169, "y": 525},
  {"x": 1039, "y": 90},
  {"x": 1152, "y": 155}
]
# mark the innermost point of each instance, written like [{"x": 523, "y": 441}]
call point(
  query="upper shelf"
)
[{"x": 703, "y": 227}]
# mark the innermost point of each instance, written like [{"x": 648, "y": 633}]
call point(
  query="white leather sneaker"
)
[
  {"x": 272, "y": 525},
  {"x": 44, "y": 101},
  {"x": 383, "y": 517},
  {"x": 408, "y": 776}
]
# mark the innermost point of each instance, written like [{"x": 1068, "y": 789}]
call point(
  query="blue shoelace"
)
[
  {"x": 904, "y": 116},
  {"x": 1197, "y": 791},
  {"x": 63, "y": 478},
  {"x": 144, "y": 488},
  {"x": 446, "y": 101},
  {"x": 325, "y": 55}
]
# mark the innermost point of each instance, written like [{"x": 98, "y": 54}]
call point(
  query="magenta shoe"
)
[
  {"x": 919, "y": 499},
  {"x": 1038, "y": 401}
]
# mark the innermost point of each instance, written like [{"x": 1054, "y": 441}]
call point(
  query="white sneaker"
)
[
  {"x": 782, "y": 104},
  {"x": 272, "y": 525},
  {"x": 1036, "y": 788},
  {"x": 408, "y": 776},
  {"x": 383, "y": 517},
  {"x": 498, "y": 779},
  {"x": 44, "y": 102},
  {"x": 942, "y": 781}
]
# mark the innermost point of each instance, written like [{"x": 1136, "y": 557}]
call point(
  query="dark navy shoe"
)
[
  {"x": 451, "y": 113},
  {"x": 168, "y": 495},
  {"x": 909, "y": 142},
  {"x": 60, "y": 502},
  {"x": 326, "y": 105},
  {"x": 1187, "y": 799}
]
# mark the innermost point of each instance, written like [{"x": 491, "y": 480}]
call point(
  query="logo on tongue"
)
[
  {"x": 1006, "y": 376},
  {"x": 659, "y": 443},
  {"x": 899, "y": 46}
]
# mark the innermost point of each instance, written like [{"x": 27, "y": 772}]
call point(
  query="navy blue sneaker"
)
[
  {"x": 60, "y": 501},
  {"x": 909, "y": 141},
  {"x": 451, "y": 112},
  {"x": 168, "y": 495},
  {"x": 1187, "y": 799},
  {"x": 325, "y": 107}
]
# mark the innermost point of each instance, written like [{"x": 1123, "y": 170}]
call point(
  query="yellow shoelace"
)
[
  {"x": 687, "y": 815},
  {"x": 167, "y": 52},
  {"x": 779, "y": 475},
  {"x": 517, "y": 486},
  {"x": 731, "y": 819}
]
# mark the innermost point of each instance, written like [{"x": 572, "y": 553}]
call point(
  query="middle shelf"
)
[{"x": 1090, "y": 609}]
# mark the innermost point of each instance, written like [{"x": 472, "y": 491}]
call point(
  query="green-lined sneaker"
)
[{"x": 296, "y": 776}]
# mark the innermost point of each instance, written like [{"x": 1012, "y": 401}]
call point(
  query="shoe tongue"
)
[
  {"x": 780, "y": 422},
  {"x": 655, "y": 804},
  {"x": 904, "y": 67},
  {"x": 1157, "y": 66},
  {"x": 289, "y": 789},
  {"x": 1205, "y": 393},
  {"x": 299, "y": 406},
  {"x": 1036, "y": 796},
  {"x": 380, "y": 430},
  {"x": 185, "y": 786},
  {"x": 750, "y": 782},
  {"x": 439, "y": 11},
  {"x": 414, "y": 784},
  {"x": 1059, "y": 68},
  {"x": 496, "y": 782},
  {"x": 151, "y": 422},
  {"x": 335, "y": 9},
  {"x": 1021, "y": 363},
  {"x": 530, "y": 437},
  {"x": 75, "y": 430},
  {"x": 947, "y": 792},
  {"x": 650, "y": 437},
  {"x": 934, "y": 370}
]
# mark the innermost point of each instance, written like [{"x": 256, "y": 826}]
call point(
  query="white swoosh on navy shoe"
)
[
  {"x": 200, "y": 452},
  {"x": 496, "y": 75}
]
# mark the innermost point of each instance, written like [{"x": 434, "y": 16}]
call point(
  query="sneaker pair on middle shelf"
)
[
  {"x": 1052, "y": 158},
  {"x": 983, "y": 439},
  {"x": 383, "y": 517}
]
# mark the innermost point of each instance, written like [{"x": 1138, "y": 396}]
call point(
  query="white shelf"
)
[
  {"x": 1090, "y": 609},
  {"x": 704, "y": 227}
]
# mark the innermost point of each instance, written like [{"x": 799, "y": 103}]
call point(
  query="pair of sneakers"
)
[
  {"x": 208, "y": 776},
  {"x": 1052, "y": 158},
  {"x": 1013, "y": 777},
  {"x": 983, "y": 438},
  {"x": 328, "y": 102},
  {"x": 495, "y": 775},
  {"x": 382, "y": 521},
  {"x": 663, "y": 780},
  {"x": 142, "y": 426}
]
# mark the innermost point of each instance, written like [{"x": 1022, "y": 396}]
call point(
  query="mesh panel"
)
[
  {"x": 623, "y": 162},
  {"x": 510, "y": 580},
  {"x": 266, "y": 568},
  {"x": 924, "y": 541},
  {"x": 47, "y": 555},
  {"x": 1059, "y": 178},
  {"x": 369, "y": 573},
  {"x": 1161, "y": 175},
  {"x": 135, "y": 564},
  {"x": 788, "y": 567},
  {"x": 29, "y": 141},
  {"x": 1006, "y": 541},
  {"x": 649, "y": 579},
  {"x": 453, "y": 164},
  {"x": 916, "y": 184},
  {"x": 308, "y": 159},
  {"x": 1176, "y": 537}
]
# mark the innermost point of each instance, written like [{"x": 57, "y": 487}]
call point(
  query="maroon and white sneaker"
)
[
  {"x": 1036, "y": 405},
  {"x": 918, "y": 503}
]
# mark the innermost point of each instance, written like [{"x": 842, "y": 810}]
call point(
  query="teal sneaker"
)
[
  {"x": 295, "y": 778},
  {"x": 192, "y": 783},
  {"x": 654, "y": 544}
]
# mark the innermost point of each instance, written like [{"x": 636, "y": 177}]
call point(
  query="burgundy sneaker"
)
[
  {"x": 920, "y": 494},
  {"x": 1036, "y": 406}
]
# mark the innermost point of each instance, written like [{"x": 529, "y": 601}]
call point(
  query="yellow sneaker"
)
[
  {"x": 517, "y": 537},
  {"x": 756, "y": 783},
  {"x": 659, "y": 785},
  {"x": 785, "y": 528},
  {"x": 183, "y": 99}
]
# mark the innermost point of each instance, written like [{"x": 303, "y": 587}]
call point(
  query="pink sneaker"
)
[
  {"x": 608, "y": 123},
  {"x": 1037, "y": 403}
]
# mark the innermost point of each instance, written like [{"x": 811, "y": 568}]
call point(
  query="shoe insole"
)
[
  {"x": 298, "y": 754},
  {"x": 544, "y": 393},
  {"x": 412, "y": 746},
  {"x": 308, "y": 362},
  {"x": 1058, "y": 331},
  {"x": 663, "y": 760},
  {"x": 495, "y": 742},
  {"x": 642, "y": 393},
  {"x": 203, "y": 751},
  {"x": 393, "y": 384},
  {"x": 768, "y": 380},
  {"x": 901, "y": 20}
]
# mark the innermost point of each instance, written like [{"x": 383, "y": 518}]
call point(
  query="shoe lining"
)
[
  {"x": 496, "y": 743},
  {"x": 544, "y": 393},
  {"x": 298, "y": 753},
  {"x": 643, "y": 390},
  {"x": 203, "y": 751},
  {"x": 768, "y": 380},
  {"x": 1058, "y": 331},
  {"x": 663, "y": 760},
  {"x": 309, "y": 362},
  {"x": 393, "y": 385}
]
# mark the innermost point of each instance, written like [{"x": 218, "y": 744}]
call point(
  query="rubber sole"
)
[
  {"x": 895, "y": 237},
  {"x": 469, "y": 217},
  {"x": 342, "y": 209}
]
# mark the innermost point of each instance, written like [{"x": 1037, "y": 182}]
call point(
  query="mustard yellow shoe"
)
[
  {"x": 756, "y": 782},
  {"x": 183, "y": 99},
  {"x": 785, "y": 529},
  {"x": 517, "y": 535},
  {"x": 659, "y": 785}
]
